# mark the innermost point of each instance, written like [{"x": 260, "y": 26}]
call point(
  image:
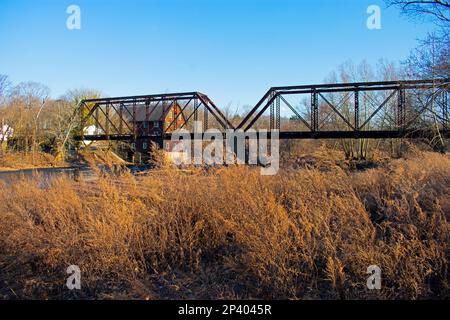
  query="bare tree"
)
[
  {"x": 438, "y": 10},
  {"x": 67, "y": 116},
  {"x": 4, "y": 85},
  {"x": 31, "y": 93},
  {"x": 430, "y": 59},
  {"x": 25, "y": 103},
  {"x": 4, "y": 127}
]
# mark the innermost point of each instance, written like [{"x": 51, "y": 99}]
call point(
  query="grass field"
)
[{"x": 306, "y": 233}]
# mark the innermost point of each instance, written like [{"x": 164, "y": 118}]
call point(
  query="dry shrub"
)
[{"x": 231, "y": 233}]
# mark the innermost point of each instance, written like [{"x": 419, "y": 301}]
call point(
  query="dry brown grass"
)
[
  {"x": 231, "y": 233},
  {"x": 27, "y": 160}
]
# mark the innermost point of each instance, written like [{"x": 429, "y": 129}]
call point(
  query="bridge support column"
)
[
  {"x": 82, "y": 120},
  {"x": 134, "y": 118},
  {"x": 147, "y": 117},
  {"x": 121, "y": 119},
  {"x": 357, "y": 110},
  {"x": 401, "y": 112},
  {"x": 272, "y": 114},
  {"x": 195, "y": 109},
  {"x": 314, "y": 111},
  {"x": 96, "y": 122},
  {"x": 205, "y": 119},
  {"x": 277, "y": 120},
  {"x": 445, "y": 114},
  {"x": 107, "y": 121},
  {"x": 160, "y": 142}
]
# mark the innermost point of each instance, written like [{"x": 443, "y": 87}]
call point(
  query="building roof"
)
[{"x": 155, "y": 114}]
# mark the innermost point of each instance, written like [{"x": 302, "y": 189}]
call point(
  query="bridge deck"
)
[{"x": 294, "y": 135}]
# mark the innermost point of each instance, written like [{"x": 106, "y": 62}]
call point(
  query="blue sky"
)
[{"x": 232, "y": 50}]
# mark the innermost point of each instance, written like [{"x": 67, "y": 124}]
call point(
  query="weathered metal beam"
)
[
  {"x": 272, "y": 99},
  {"x": 430, "y": 83},
  {"x": 300, "y": 135},
  {"x": 165, "y": 96}
]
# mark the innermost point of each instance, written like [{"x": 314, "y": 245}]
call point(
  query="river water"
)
[{"x": 46, "y": 174}]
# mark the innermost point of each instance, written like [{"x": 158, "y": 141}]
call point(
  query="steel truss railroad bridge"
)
[{"x": 376, "y": 110}]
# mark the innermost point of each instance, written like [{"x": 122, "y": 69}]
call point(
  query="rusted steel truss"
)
[
  {"x": 117, "y": 118},
  {"x": 389, "y": 109}
]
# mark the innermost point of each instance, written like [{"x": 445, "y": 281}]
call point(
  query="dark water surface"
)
[{"x": 46, "y": 174}]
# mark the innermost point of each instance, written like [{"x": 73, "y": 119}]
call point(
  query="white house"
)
[
  {"x": 90, "y": 131},
  {"x": 5, "y": 132}
]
